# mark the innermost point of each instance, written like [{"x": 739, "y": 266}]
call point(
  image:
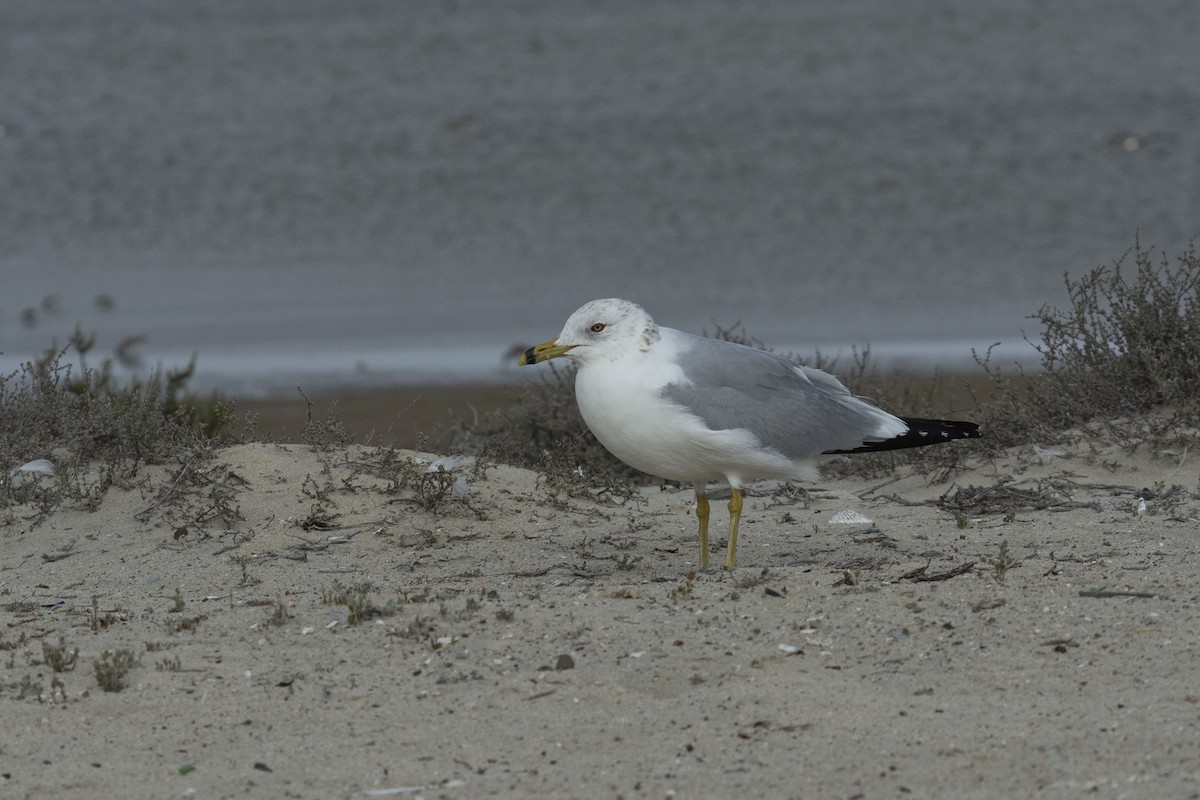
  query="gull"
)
[{"x": 698, "y": 410}]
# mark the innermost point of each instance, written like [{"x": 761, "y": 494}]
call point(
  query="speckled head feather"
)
[{"x": 608, "y": 328}]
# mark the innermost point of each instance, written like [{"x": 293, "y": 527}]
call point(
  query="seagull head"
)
[{"x": 601, "y": 329}]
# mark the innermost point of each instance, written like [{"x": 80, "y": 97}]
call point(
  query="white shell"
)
[{"x": 849, "y": 518}]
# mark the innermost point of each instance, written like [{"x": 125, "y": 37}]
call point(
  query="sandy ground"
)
[{"x": 523, "y": 643}]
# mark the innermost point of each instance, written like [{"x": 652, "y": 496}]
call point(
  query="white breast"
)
[{"x": 621, "y": 402}]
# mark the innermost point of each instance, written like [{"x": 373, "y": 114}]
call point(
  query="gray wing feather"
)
[{"x": 799, "y": 411}]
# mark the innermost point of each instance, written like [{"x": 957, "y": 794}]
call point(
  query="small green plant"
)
[
  {"x": 113, "y": 668},
  {"x": 419, "y": 628},
  {"x": 60, "y": 658},
  {"x": 279, "y": 615},
  {"x": 179, "y": 601},
  {"x": 181, "y": 624},
  {"x": 353, "y": 597},
  {"x": 95, "y": 620},
  {"x": 57, "y": 693},
  {"x": 7, "y": 645},
  {"x": 1001, "y": 562},
  {"x": 626, "y": 562},
  {"x": 748, "y": 580},
  {"x": 25, "y": 688},
  {"x": 169, "y": 665},
  {"x": 356, "y": 599},
  {"x": 243, "y": 563},
  {"x": 682, "y": 590}
]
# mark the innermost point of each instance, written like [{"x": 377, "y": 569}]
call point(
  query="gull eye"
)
[{"x": 597, "y": 327}]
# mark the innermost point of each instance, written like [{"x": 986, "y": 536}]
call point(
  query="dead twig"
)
[
  {"x": 144, "y": 514},
  {"x": 574, "y": 570},
  {"x": 895, "y": 498},
  {"x": 863, "y": 495},
  {"x": 918, "y": 575},
  {"x": 1008, "y": 497}
]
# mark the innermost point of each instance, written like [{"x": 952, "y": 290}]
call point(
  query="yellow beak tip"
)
[{"x": 544, "y": 352}]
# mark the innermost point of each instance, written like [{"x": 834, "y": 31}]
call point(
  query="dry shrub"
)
[
  {"x": 95, "y": 429},
  {"x": 1127, "y": 344}
]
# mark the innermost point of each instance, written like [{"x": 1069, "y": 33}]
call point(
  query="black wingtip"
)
[{"x": 921, "y": 433}]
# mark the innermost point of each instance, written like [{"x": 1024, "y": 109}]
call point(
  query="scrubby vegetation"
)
[
  {"x": 94, "y": 429},
  {"x": 1127, "y": 344},
  {"x": 541, "y": 419}
]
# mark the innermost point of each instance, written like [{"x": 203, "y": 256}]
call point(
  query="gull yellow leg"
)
[
  {"x": 735, "y": 513},
  {"x": 702, "y": 515}
]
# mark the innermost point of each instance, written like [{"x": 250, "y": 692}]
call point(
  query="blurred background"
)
[{"x": 368, "y": 194}]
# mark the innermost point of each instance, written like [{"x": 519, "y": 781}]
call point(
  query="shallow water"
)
[{"x": 377, "y": 194}]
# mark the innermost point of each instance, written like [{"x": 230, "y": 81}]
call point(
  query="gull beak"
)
[{"x": 544, "y": 352}]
